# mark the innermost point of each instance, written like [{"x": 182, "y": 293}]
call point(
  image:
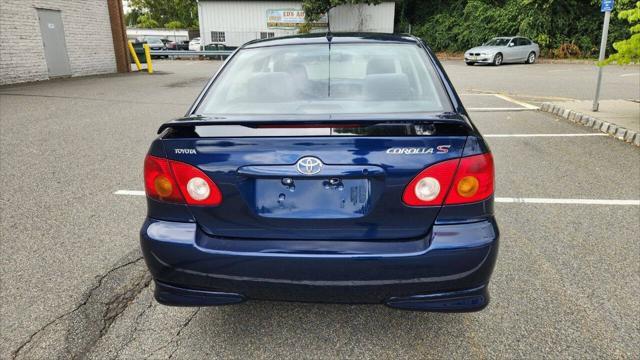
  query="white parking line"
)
[
  {"x": 130, "y": 192},
  {"x": 523, "y": 106},
  {"x": 630, "y": 74},
  {"x": 512, "y": 100},
  {"x": 497, "y": 109},
  {"x": 542, "y": 135},
  {"x": 498, "y": 199},
  {"x": 567, "y": 201}
]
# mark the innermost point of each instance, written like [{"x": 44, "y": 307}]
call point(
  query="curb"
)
[{"x": 606, "y": 127}]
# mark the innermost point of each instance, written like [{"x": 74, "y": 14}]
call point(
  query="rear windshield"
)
[{"x": 323, "y": 79}]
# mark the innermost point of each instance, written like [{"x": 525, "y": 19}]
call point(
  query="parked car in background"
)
[
  {"x": 194, "y": 44},
  {"x": 500, "y": 50},
  {"x": 178, "y": 45},
  {"x": 155, "y": 43},
  {"x": 217, "y": 47}
]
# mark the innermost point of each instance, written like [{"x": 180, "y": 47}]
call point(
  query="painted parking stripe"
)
[
  {"x": 567, "y": 201},
  {"x": 130, "y": 192},
  {"x": 517, "y": 102},
  {"x": 542, "y": 135},
  {"x": 498, "y": 199},
  {"x": 498, "y": 109}
]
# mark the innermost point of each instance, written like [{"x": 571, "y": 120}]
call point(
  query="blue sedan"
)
[{"x": 335, "y": 168}]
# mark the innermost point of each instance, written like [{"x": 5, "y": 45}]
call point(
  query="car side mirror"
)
[{"x": 512, "y": 44}]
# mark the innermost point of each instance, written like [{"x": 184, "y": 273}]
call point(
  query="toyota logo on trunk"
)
[{"x": 309, "y": 166}]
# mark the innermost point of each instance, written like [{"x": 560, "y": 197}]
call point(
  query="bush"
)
[
  {"x": 569, "y": 28},
  {"x": 567, "y": 50}
]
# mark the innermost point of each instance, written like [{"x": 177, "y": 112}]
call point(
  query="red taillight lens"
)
[
  {"x": 195, "y": 185},
  {"x": 174, "y": 181},
  {"x": 465, "y": 180},
  {"x": 473, "y": 181},
  {"x": 430, "y": 186},
  {"x": 159, "y": 181}
]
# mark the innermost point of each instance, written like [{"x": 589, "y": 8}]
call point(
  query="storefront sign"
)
[{"x": 290, "y": 19}]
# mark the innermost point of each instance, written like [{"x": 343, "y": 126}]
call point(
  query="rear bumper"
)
[{"x": 447, "y": 271}]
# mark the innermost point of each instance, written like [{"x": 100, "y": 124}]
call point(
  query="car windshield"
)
[
  {"x": 327, "y": 79},
  {"x": 498, "y": 42},
  {"x": 153, "y": 40}
]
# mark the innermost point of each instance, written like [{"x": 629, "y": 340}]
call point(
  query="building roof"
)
[{"x": 334, "y": 38}]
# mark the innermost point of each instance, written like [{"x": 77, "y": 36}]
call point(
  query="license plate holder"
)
[{"x": 319, "y": 198}]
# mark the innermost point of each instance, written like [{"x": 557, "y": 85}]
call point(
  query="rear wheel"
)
[
  {"x": 497, "y": 60},
  {"x": 531, "y": 58}
]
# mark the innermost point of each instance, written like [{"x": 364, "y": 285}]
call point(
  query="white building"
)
[
  {"x": 234, "y": 22},
  {"x": 170, "y": 34},
  {"x": 43, "y": 39}
]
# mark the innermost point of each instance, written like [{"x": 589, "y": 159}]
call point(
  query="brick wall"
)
[{"x": 87, "y": 34}]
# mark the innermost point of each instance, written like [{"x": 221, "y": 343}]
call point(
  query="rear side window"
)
[{"x": 323, "y": 79}]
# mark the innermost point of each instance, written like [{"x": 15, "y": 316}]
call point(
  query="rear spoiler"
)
[{"x": 257, "y": 121}]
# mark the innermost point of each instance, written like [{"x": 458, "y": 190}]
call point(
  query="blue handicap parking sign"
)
[{"x": 607, "y": 5}]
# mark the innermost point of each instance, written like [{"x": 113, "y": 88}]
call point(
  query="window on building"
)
[
  {"x": 217, "y": 36},
  {"x": 267, "y": 34}
]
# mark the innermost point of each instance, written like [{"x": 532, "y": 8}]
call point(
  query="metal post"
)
[
  {"x": 134, "y": 56},
  {"x": 147, "y": 55},
  {"x": 603, "y": 49}
]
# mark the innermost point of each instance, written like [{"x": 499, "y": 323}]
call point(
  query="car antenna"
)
[{"x": 329, "y": 36}]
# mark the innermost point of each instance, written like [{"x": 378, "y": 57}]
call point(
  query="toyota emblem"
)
[{"x": 309, "y": 166}]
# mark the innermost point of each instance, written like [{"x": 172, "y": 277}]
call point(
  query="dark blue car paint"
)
[
  {"x": 431, "y": 258},
  {"x": 451, "y": 259}
]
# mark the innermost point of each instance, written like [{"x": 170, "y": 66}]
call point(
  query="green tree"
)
[
  {"x": 628, "y": 50},
  {"x": 314, "y": 9},
  {"x": 145, "y": 21},
  {"x": 175, "y": 24},
  {"x": 557, "y": 25},
  {"x": 164, "y": 12}
]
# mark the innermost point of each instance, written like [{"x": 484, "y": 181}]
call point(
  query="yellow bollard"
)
[
  {"x": 148, "y": 56},
  {"x": 134, "y": 56}
]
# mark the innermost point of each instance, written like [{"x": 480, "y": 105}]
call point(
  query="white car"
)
[
  {"x": 500, "y": 50},
  {"x": 194, "y": 44}
]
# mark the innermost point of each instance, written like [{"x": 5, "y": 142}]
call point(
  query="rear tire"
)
[
  {"x": 531, "y": 59},
  {"x": 498, "y": 59}
]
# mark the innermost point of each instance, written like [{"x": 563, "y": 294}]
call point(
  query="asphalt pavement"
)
[{"x": 566, "y": 284}]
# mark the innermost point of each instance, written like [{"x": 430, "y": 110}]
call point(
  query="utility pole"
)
[{"x": 607, "y": 6}]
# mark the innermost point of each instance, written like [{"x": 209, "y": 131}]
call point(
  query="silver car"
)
[{"x": 500, "y": 50}]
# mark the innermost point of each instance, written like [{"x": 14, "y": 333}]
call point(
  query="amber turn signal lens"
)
[
  {"x": 163, "y": 186},
  {"x": 468, "y": 186}
]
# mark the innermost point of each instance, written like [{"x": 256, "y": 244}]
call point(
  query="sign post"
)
[{"x": 607, "y": 6}]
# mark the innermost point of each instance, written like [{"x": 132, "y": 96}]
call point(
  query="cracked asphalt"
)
[{"x": 567, "y": 281}]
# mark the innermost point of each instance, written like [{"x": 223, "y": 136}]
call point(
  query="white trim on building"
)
[{"x": 171, "y": 34}]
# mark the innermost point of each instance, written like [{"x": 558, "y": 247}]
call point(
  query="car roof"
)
[{"x": 324, "y": 38}]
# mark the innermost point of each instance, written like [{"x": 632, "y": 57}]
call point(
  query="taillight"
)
[
  {"x": 174, "y": 181},
  {"x": 430, "y": 186},
  {"x": 195, "y": 185},
  {"x": 159, "y": 181},
  {"x": 473, "y": 181},
  {"x": 460, "y": 181}
]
